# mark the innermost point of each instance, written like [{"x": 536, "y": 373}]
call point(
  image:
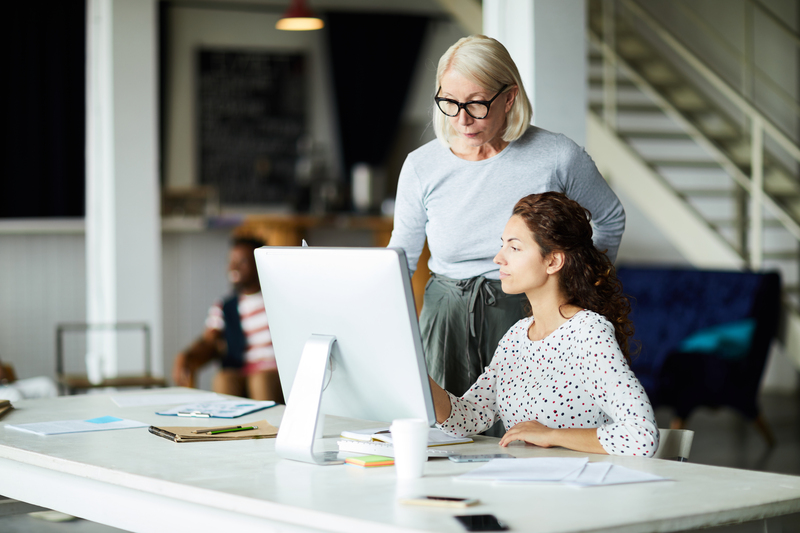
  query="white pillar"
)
[
  {"x": 123, "y": 234},
  {"x": 547, "y": 40}
]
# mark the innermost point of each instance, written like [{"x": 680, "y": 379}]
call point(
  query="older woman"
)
[
  {"x": 559, "y": 377},
  {"x": 456, "y": 190}
]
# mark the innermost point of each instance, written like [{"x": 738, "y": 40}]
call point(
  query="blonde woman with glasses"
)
[{"x": 456, "y": 191}]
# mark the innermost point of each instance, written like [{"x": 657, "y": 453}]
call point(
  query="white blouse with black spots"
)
[{"x": 576, "y": 377}]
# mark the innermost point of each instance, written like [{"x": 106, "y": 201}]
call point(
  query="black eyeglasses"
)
[{"x": 475, "y": 108}]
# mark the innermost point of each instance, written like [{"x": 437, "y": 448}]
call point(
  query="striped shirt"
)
[{"x": 259, "y": 354}]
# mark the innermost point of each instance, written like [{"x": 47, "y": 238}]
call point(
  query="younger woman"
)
[{"x": 559, "y": 377}]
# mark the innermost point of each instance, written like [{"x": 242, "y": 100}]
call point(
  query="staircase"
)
[{"x": 718, "y": 176}]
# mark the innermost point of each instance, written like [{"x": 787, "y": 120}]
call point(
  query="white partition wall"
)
[
  {"x": 546, "y": 39},
  {"x": 123, "y": 241}
]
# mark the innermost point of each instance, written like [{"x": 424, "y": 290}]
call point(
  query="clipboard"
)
[
  {"x": 264, "y": 430},
  {"x": 218, "y": 409}
]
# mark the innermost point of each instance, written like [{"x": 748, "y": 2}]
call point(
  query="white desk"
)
[{"x": 133, "y": 480}]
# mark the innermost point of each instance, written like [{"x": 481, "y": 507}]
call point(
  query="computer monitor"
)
[{"x": 346, "y": 338}]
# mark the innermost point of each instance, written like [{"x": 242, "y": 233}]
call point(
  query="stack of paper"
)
[
  {"x": 58, "y": 427},
  {"x": 567, "y": 470},
  {"x": 436, "y": 437},
  {"x": 262, "y": 429},
  {"x": 218, "y": 409},
  {"x": 370, "y": 460}
]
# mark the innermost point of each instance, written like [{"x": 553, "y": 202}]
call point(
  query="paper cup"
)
[{"x": 410, "y": 441}]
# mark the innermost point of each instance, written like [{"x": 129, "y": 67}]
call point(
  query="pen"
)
[
  {"x": 245, "y": 428},
  {"x": 219, "y": 428}
]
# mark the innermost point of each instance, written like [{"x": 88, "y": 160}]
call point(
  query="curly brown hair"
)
[{"x": 587, "y": 279}]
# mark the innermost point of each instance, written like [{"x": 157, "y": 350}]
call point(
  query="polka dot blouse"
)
[{"x": 576, "y": 377}]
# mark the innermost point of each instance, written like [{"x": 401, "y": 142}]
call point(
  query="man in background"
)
[{"x": 237, "y": 333}]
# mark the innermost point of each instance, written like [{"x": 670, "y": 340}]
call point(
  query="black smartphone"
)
[{"x": 481, "y": 522}]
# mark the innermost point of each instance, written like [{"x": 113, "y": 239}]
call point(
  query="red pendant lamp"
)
[{"x": 299, "y": 17}]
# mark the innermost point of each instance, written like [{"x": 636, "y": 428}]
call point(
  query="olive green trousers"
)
[{"x": 461, "y": 323}]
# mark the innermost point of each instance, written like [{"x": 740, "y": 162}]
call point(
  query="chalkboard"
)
[{"x": 251, "y": 115}]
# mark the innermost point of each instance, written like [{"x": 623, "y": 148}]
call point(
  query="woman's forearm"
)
[
  {"x": 579, "y": 439},
  {"x": 533, "y": 432},
  {"x": 441, "y": 401}
]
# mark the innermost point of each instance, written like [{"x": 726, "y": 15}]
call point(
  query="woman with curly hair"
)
[{"x": 559, "y": 377}]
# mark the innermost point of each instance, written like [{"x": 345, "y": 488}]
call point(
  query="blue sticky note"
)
[{"x": 104, "y": 420}]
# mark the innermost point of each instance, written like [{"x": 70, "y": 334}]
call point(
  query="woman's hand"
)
[{"x": 531, "y": 432}]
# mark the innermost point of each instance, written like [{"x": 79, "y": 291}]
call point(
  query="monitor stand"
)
[{"x": 301, "y": 419}]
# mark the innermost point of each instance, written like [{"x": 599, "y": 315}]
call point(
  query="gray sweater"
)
[{"x": 463, "y": 206}]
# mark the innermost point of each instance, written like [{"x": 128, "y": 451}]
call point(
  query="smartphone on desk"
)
[
  {"x": 477, "y": 458},
  {"x": 481, "y": 522},
  {"x": 440, "y": 501}
]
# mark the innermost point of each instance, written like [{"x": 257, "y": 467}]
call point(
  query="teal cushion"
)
[{"x": 730, "y": 340}]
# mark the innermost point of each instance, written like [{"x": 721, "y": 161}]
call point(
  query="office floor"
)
[{"x": 721, "y": 438}]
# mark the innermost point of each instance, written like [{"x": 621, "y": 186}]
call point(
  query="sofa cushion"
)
[{"x": 668, "y": 305}]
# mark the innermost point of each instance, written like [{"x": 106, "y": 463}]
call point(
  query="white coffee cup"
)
[{"x": 410, "y": 442}]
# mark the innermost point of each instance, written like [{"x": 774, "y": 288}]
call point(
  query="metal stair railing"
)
[
  {"x": 749, "y": 69},
  {"x": 752, "y": 184}
]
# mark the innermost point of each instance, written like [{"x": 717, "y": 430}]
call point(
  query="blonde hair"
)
[{"x": 486, "y": 62}]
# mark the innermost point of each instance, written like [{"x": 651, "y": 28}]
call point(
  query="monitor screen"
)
[{"x": 358, "y": 302}]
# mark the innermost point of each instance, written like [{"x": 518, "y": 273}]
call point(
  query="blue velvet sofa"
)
[{"x": 704, "y": 336}]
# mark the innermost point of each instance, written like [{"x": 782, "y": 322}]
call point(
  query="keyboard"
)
[{"x": 381, "y": 448}]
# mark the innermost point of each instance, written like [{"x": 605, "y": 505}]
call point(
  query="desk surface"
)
[{"x": 134, "y": 480}]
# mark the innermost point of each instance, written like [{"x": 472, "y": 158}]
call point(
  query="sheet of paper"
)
[
  {"x": 591, "y": 474},
  {"x": 620, "y": 474},
  {"x": 556, "y": 470},
  {"x": 436, "y": 437},
  {"x": 218, "y": 409},
  {"x": 138, "y": 400},
  {"x": 364, "y": 434},
  {"x": 103, "y": 423},
  {"x": 548, "y": 469}
]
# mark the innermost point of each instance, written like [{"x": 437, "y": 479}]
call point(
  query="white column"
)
[
  {"x": 123, "y": 236},
  {"x": 547, "y": 40}
]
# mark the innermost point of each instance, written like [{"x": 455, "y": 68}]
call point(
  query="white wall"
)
[{"x": 43, "y": 284}]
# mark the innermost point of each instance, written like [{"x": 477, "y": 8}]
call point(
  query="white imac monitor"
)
[{"x": 346, "y": 338}]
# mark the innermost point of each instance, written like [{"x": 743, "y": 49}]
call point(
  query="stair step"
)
[
  {"x": 707, "y": 193},
  {"x": 597, "y": 82},
  {"x": 654, "y": 135},
  {"x": 782, "y": 255},
  {"x": 685, "y": 98},
  {"x": 682, "y": 164},
  {"x": 658, "y": 73},
  {"x": 631, "y": 108},
  {"x": 731, "y": 222},
  {"x": 710, "y": 193},
  {"x": 781, "y": 193},
  {"x": 631, "y": 46}
]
